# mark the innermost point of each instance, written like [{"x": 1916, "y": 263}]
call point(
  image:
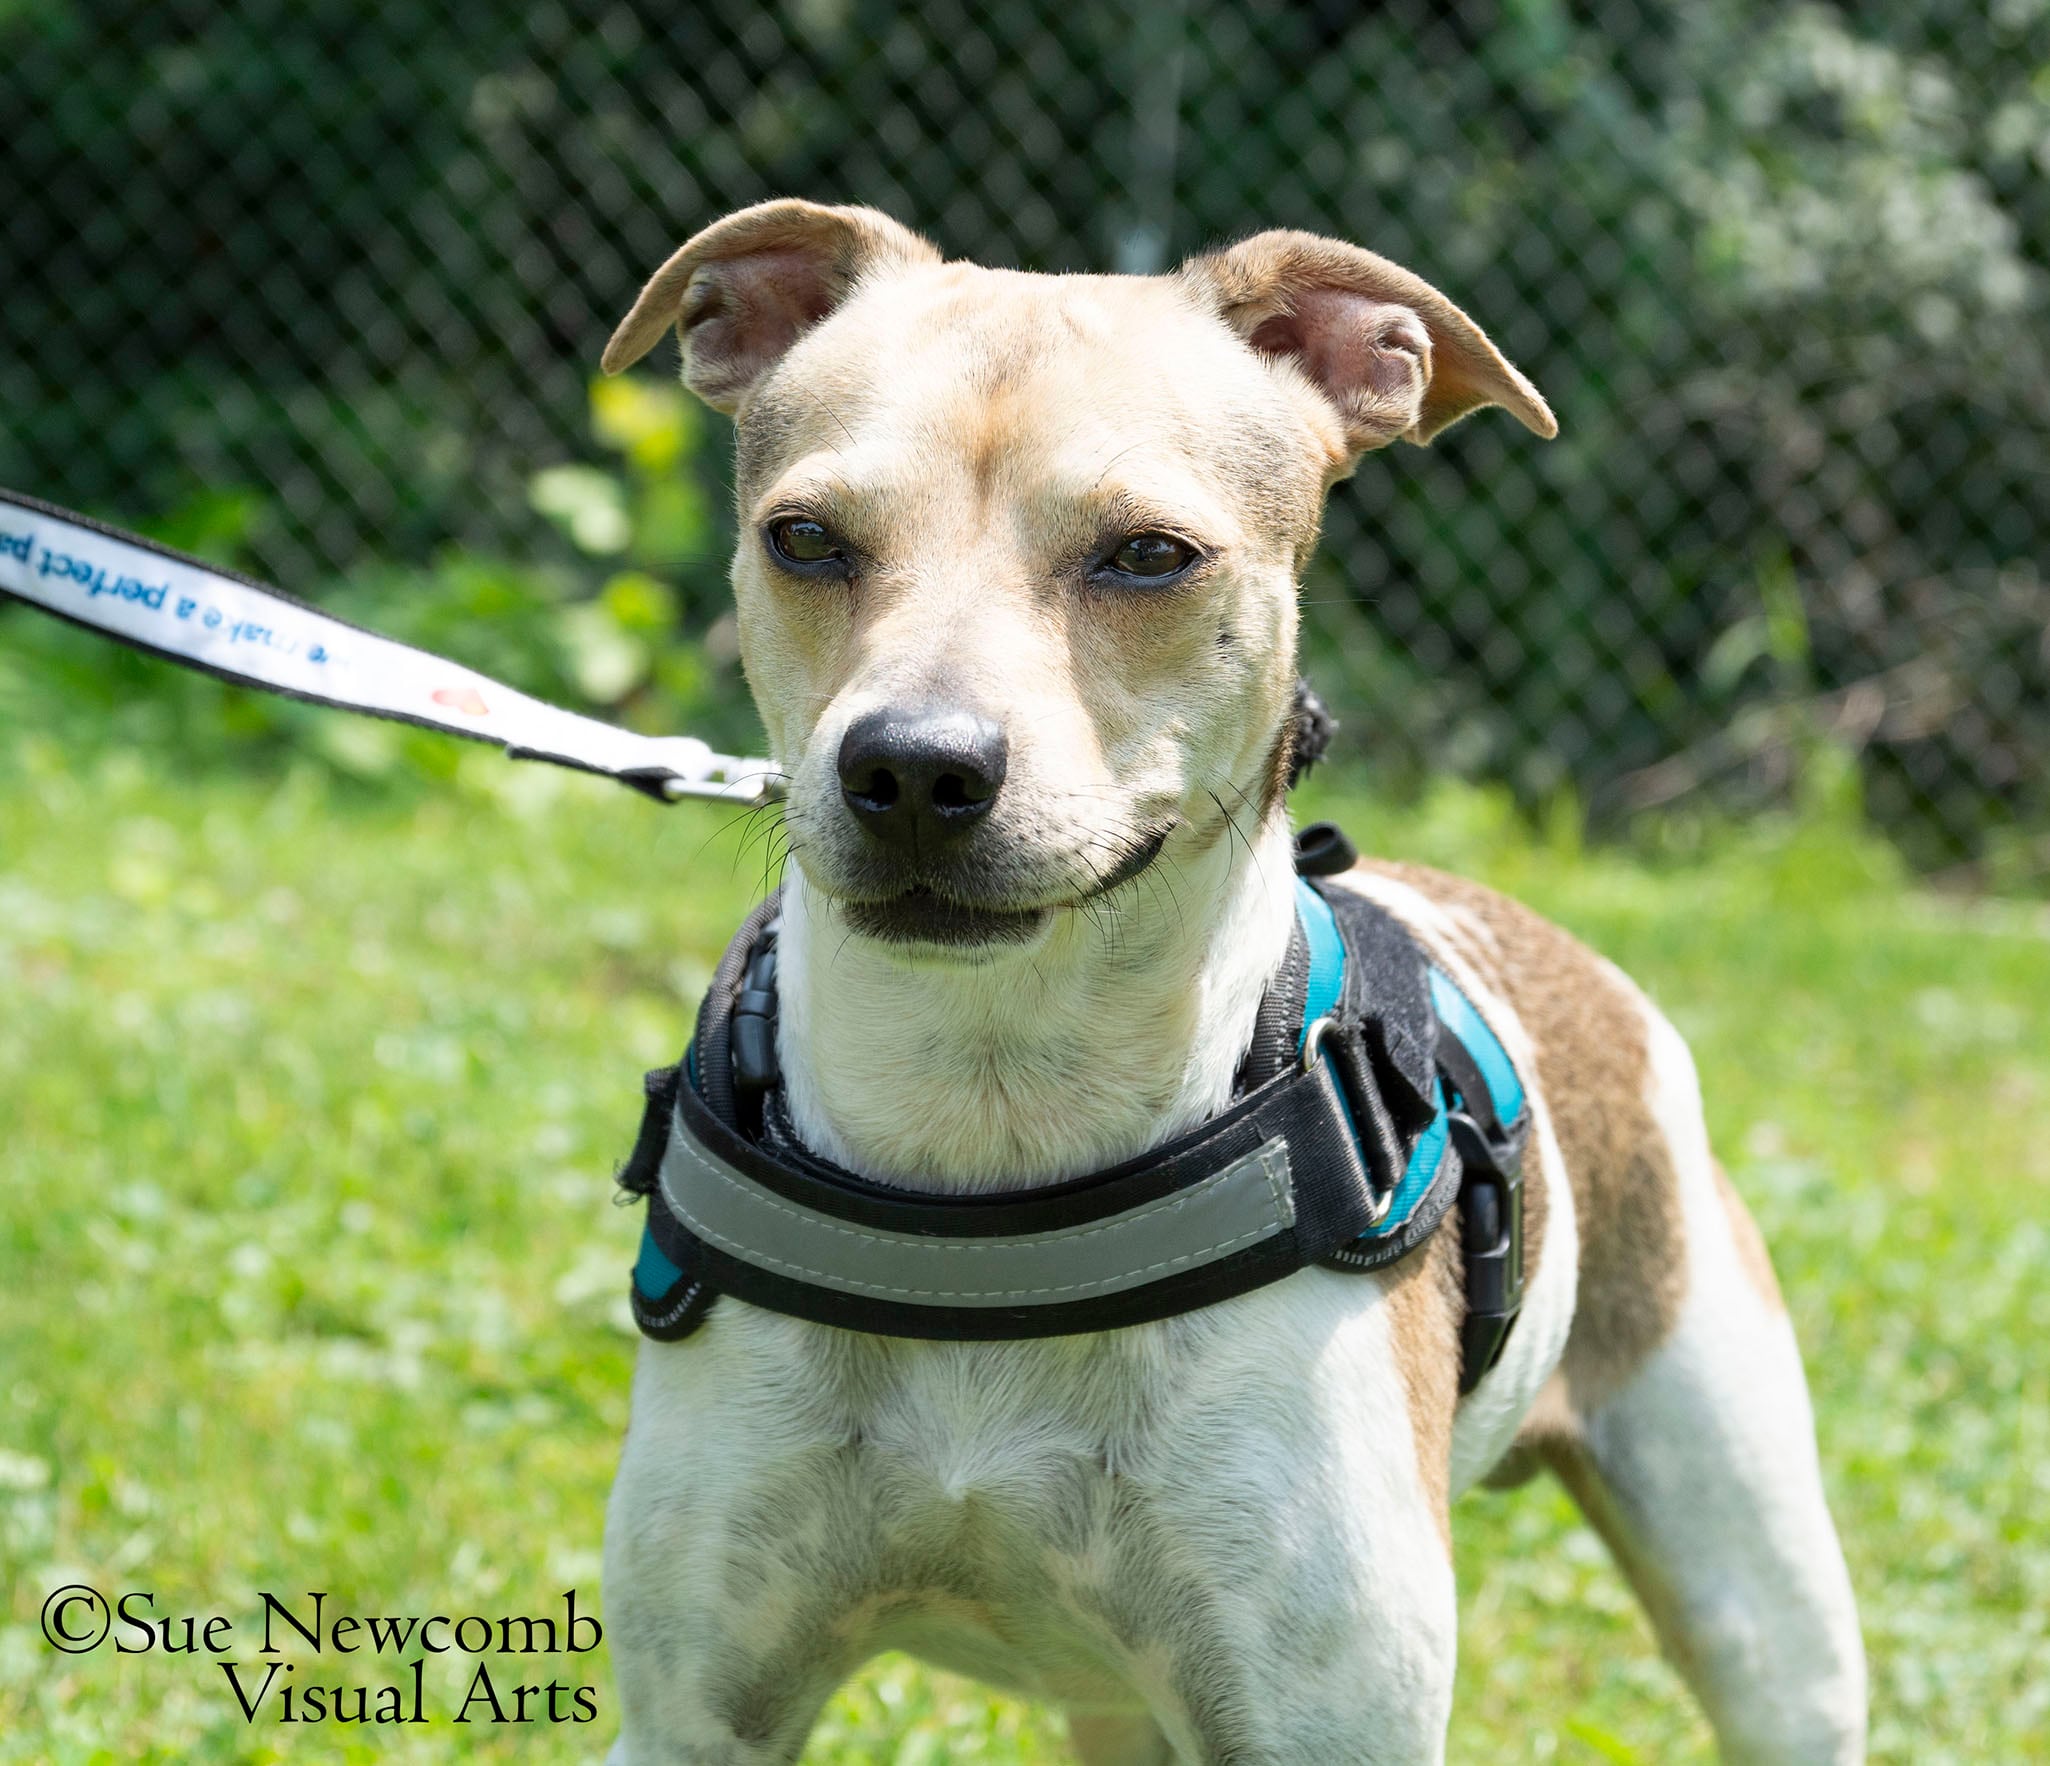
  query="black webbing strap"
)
[
  {"x": 1388, "y": 988},
  {"x": 1469, "y": 1085},
  {"x": 669, "y": 1294},
  {"x": 1277, "y": 1026}
]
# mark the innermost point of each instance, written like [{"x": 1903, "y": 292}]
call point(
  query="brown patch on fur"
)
[
  {"x": 1464, "y": 940},
  {"x": 1594, "y": 1070},
  {"x": 1426, "y": 1300},
  {"x": 1751, "y": 1251}
]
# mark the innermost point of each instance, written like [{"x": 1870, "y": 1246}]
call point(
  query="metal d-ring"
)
[
  {"x": 1313, "y": 1046},
  {"x": 1381, "y": 1207}
]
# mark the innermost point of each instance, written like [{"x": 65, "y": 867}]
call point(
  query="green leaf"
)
[{"x": 588, "y": 504}]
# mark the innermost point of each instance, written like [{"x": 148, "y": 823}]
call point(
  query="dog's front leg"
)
[
  {"x": 1287, "y": 1598},
  {"x": 703, "y": 1679},
  {"x": 717, "y": 1587},
  {"x": 1123, "y": 1739}
]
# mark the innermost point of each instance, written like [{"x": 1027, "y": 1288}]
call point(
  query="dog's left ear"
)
[
  {"x": 741, "y": 292},
  {"x": 1394, "y": 357}
]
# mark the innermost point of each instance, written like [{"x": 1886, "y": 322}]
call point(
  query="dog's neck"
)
[{"x": 1122, "y": 1028}]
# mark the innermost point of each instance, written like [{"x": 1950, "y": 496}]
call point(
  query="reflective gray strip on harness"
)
[{"x": 1244, "y": 1203}]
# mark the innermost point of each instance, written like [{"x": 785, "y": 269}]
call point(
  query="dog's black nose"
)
[{"x": 918, "y": 778}]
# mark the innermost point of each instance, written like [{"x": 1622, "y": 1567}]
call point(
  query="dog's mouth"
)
[
  {"x": 924, "y": 916},
  {"x": 928, "y": 916}
]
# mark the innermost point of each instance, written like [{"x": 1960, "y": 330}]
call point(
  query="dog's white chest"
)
[{"x": 1051, "y": 1515}]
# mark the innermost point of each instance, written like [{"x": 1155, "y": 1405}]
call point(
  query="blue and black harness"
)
[{"x": 1372, "y": 1098}]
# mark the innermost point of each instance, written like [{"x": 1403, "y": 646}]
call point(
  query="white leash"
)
[{"x": 154, "y": 599}]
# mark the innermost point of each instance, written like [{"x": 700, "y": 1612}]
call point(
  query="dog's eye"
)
[
  {"x": 1151, "y": 556},
  {"x": 797, "y": 539}
]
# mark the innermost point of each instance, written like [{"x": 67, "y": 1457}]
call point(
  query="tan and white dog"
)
[{"x": 1017, "y": 596}]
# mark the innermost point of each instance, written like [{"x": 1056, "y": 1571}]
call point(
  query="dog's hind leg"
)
[{"x": 1700, "y": 1471}]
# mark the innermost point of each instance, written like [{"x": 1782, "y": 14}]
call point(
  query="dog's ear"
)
[
  {"x": 742, "y": 291},
  {"x": 1393, "y": 356}
]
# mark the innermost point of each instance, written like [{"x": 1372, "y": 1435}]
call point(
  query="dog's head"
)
[{"x": 1017, "y": 571}]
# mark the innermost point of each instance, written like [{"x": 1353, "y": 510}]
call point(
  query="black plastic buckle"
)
[
  {"x": 751, "y": 1032},
  {"x": 1491, "y": 1233}
]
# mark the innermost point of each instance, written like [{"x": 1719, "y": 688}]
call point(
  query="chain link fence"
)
[{"x": 318, "y": 284}]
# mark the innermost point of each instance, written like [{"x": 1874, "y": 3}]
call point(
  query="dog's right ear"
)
[
  {"x": 744, "y": 290},
  {"x": 1394, "y": 357}
]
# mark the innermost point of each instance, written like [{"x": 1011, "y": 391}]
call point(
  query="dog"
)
[{"x": 1025, "y": 549}]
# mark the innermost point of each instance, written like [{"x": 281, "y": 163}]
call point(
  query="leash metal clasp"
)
[{"x": 727, "y": 778}]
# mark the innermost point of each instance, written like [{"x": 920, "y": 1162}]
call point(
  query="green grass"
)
[{"x": 310, "y": 1278}]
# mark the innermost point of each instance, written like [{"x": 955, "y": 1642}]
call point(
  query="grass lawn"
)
[{"x": 310, "y": 1277}]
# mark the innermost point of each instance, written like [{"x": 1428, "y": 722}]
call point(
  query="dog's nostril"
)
[
  {"x": 879, "y": 790},
  {"x": 950, "y": 791}
]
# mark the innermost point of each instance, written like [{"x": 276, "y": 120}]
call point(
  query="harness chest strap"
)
[{"x": 1344, "y": 1147}]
